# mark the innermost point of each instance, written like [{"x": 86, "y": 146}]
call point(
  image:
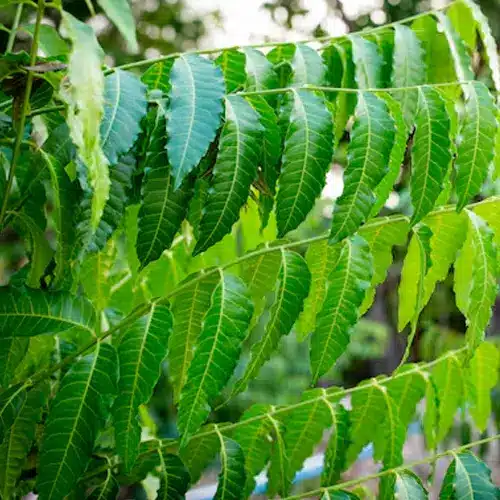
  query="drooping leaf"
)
[
  {"x": 368, "y": 63},
  {"x": 477, "y": 143},
  {"x": 76, "y": 415},
  {"x": 19, "y": 439},
  {"x": 174, "y": 478},
  {"x": 306, "y": 158},
  {"x": 232, "y": 63},
  {"x": 415, "y": 268},
  {"x": 281, "y": 56},
  {"x": 25, "y": 313},
  {"x": 124, "y": 106},
  {"x": 294, "y": 279},
  {"x": 85, "y": 99},
  {"x": 141, "y": 351},
  {"x": 468, "y": 477},
  {"x": 232, "y": 475},
  {"x": 195, "y": 107},
  {"x": 481, "y": 378},
  {"x": 234, "y": 172},
  {"x": 476, "y": 279},
  {"x": 408, "y": 486},
  {"x": 335, "y": 454},
  {"x": 277, "y": 472},
  {"x": 346, "y": 288},
  {"x": 321, "y": 259},
  {"x": 188, "y": 310},
  {"x": 368, "y": 156},
  {"x": 218, "y": 348},
  {"x": 307, "y": 67},
  {"x": 120, "y": 12},
  {"x": 430, "y": 152},
  {"x": 408, "y": 70},
  {"x": 255, "y": 441}
]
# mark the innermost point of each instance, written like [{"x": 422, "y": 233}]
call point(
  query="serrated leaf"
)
[
  {"x": 481, "y": 378},
  {"x": 32, "y": 312},
  {"x": 174, "y": 478},
  {"x": 277, "y": 472},
  {"x": 195, "y": 108},
  {"x": 234, "y": 171},
  {"x": 346, "y": 288},
  {"x": 368, "y": 63},
  {"x": 335, "y": 454},
  {"x": 385, "y": 186},
  {"x": 307, "y": 67},
  {"x": 415, "y": 268},
  {"x": 232, "y": 475},
  {"x": 468, "y": 478},
  {"x": 260, "y": 72},
  {"x": 463, "y": 22},
  {"x": 76, "y": 415},
  {"x": 120, "y": 13},
  {"x": 85, "y": 99},
  {"x": 381, "y": 236},
  {"x": 477, "y": 143},
  {"x": 476, "y": 279},
  {"x": 294, "y": 279},
  {"x": 430, "y": 152},
  {"x": 408, "y": 486},
  {"x": 188, "y": 309},
  {"x": 157, "y": 76},
  {"x": 218, "y": 349},
  {"x": 141, "y": 351},
  {"x": 19, "y": 439},
  {"x": 394, "y": 432},
  {"x": 232, "y": 63},
  {"x": 321, "y": 259},
  {"x": 306, "y": 158},
  {"x": 11, "y": 401},
  {"x": 368, "y": 155},
  {"x": 408, "y": 70},
  {"x": 255, "y": 441}
]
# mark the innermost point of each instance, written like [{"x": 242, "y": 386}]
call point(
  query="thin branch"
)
[{"x": 13, "y": 30}]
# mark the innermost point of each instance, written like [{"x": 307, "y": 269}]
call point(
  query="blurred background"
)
[{"x": 166, "y": 26}]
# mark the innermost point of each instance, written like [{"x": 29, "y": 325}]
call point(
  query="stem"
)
[
  {"x": 24, "y": 110},
  {"x": 431, "y": 458},
  {"x": 13, "y": 30}
]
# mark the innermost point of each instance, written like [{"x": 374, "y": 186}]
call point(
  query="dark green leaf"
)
[
  {"x": 157, "y": 76},
  {"x": 11, "y": 401},
  {"x": 232, "y": 476},
  {"x": 232, "y": 63},
  {"x": 174, "y": 478},
  {"x": 260, "y": 72},
  {"x": 307, "y": 66}
]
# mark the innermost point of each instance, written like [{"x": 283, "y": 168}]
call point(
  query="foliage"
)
[{"x": 150, "y": 207}]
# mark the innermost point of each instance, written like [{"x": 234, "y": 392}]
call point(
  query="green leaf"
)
[
  {"x": 368, "y": 155},
  {"x": 490, "y": 46},
  {"x": 476, "y": 279},
  {"x": 195, "y": 107},
  {"x": 415, "y": 268},
  {"x": 346, "y": 289},
  {"x": 235, "y": 170},
  {"x": 85, "y": 99},
  {"x": 339, "y": 495},
  {"x": 32, "y": 312},
  {"x": 260, "y": 72},
  {"x": 277, "y": 472},
  {"x": 188, "y": 309},
  {"x": 368, "y": 63},
  {"x": 49, "y": 40},
  {"x": 218, "y": 348},
  {"x": 304, "y": 427},
  {"x": 321, "y": 259},
  {"x": 408, "y": 70},
  {"x": 306, "y": 158},
  {"x": 232, "y": 63},
  {"x": 385, "y": 186},
  {"x": 11, "y": 401},
  {"x": 408, "y": 486},
  {"x": 463, "y": 22},
  {"x": 293, "y": 286},
  {"x": 368, "y": 412},
  {"x": 120, "y": 13},
  {"x": 232, "y": 475},
  {"x": 125, "y": 105},
  {"x": 174, "y": 478},
  {"x": 308, "y": 67},
  {"x": 163, "y": 207},
  {"x": 19, "y": 439},
  {"x": 141, "y": 351},
  {"x": 12, "y": 352},
  {"x": 394, "y": 432},
  {"x": 108, "y": 488},
  {"x": 477, "y": 145},
  {"x": 381, "y": 236},
  {"x": 76, "y": 415},
  {"x": 430, "y": 152},
  {"x": 157, "y": 76},
  {"x": 254, "y": 438},
  {"x": 468, "y": 478},
  {"x": 335, "y": 454},
  {"x": 281, "y": 56},
  {"x": 481, "y": 378}
]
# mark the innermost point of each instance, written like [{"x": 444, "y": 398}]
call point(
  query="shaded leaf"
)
[
  {"x": 174, "y": 478},
  {"x": 232, "y": 475},
  {"x": 120, "y": 13}
]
